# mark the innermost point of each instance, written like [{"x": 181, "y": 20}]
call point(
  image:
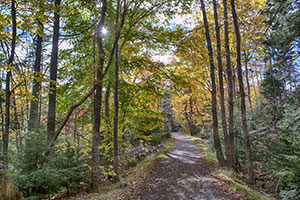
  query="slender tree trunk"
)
[
  {"x": 40, "y": 106},
  {"x": 17, "y": 125},
  {"x": 2, "y": 120},
  {"x": 75, "y": 129},
  {"x": 116, "y": 97},
  {"x": 258, "y": 89},
  {"x": 116, "y": 114},
  {"x": 1, "y": 107},
  {"x": 106, "y": 101},
  {"x": 242, "y": 93},
  {"x": 234, "y": 83},
  {"x": 7, "y": 89},
  {"x": 53, "y": 76},
  {"x": 231, "y": 158},
  {"x": 248, "y": 85},
  {"x": 255, "y": 92},
  {"x": 22, "y": 123},
  {"x": 33, "y": 123},
  {"x": 189, "y": 123},
  {"x": 218, "y": 148},
  {"x": 192, "y": 126},
  {"x": 98, "y": 100},
  {"x": 221, "y": 85}
]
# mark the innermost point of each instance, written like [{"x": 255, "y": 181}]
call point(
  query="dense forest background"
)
[{"x": 83, "y": 81}]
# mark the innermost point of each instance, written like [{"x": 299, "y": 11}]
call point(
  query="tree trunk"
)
[
  {"x": 116, "y": 96},
  {"x": 242, "y": 93},
  {"x": 188, "y": 118},
  {"x": 234, "y": 83},
  {"x": 2, "y": 120},
  {"x": 116, "y": 114},
  {"x": 192, "y": 125},
  {"x": 248, "y": 85},
  {"x": 7, "y": 89},
  {"x": 218, "y": 148},
  {"x": 17, "y": 125},
  {"x": 255, "y": 92},
  {"x": 53, "y": 76},
  {"x": 33, "y": 123},
  {"x": 258, "y": 90},
  {"x": 231, "y": 158},
  {"x": 1, "y": 107},
  {"x": 98, "y": 100},
  {"x": 106, "y": 101},
  {"x": 221, "y": 85},
  {"x": 75, "y": 136}
]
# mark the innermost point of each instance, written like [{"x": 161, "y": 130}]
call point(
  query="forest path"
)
[{"x": 183, "y": 174}]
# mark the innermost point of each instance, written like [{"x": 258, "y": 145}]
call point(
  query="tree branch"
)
[
  {"x": 72, "y": 108},
  {"x": 69, "y": 113}
]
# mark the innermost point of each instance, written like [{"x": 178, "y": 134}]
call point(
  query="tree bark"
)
[
  {"x": 2, "y": 120},
  {"x": 231, "y": 158},
  {"x": 17, "y": 125},
  {"x": 116, "y": 97},
  {"x": 1, "y": 106},
  {"x": 98, "y": 100},
  {"x": 7, "y": 89},
  {"x": 234, "y": 83},
  {"x": 33, "y": 123},
  {"x": 106, "y": 101},
  {"x": 192, "y": 124},
  {"x": 188, "y": 118},
  {"x": 248, "y": 85},
  {"x": 53, "y": 75},
  {"x": 116, "y": 94},
  {"x": 218, "y": 148},
  {"x": 75, "y": 133},
  {"x": 242, "y": 93},
  {"x": 221, "y": 84},
  {"x": 116, "y": 114}
]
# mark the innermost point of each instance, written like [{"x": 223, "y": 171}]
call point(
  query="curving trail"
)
[{"x": 183, "y": 174}]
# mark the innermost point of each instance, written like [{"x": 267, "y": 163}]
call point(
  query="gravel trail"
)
[{"x": 183, "y": 174}]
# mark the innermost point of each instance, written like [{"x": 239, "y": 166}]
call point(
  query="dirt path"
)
[{"x": 183, "y": 174}]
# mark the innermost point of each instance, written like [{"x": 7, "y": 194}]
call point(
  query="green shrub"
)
[
  {"x": 37, "y": 175},
  {"x": 156, "y": 138},
  {"x": 131, "y": 162}
]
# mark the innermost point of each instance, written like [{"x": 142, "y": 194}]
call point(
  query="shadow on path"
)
[{"x": 183, "y": 174}]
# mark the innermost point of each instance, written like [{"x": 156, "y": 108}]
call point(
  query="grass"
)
[
  {"x": 134, "y": 172},
  {"x": 223, "y": 174},
  {"x": 112, "y": 189},
  {"x": 242, "y": 189}
]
